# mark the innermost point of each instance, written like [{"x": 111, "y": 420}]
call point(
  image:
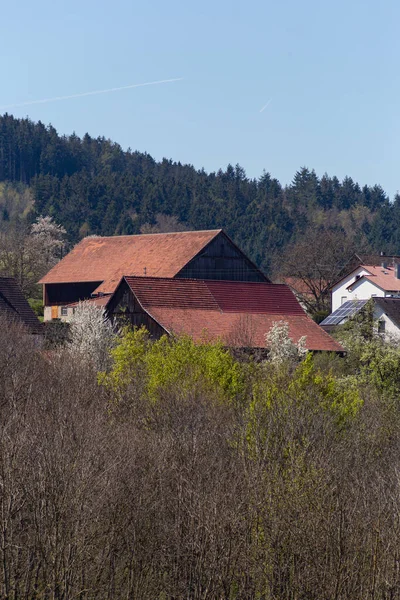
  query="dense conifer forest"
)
[{"x": 91, "y": 186}]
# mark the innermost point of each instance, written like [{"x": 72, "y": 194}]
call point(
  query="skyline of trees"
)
[{"x": 91, "y": 186}]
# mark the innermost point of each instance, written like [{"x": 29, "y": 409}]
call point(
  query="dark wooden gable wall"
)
[
  {"x": 222, "y": 259},
  {"x": 124, "y": 309},
  {"x": 65, "y": 293}
]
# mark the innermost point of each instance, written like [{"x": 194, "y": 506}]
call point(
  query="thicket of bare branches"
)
[{"x": 189, "y": 497}]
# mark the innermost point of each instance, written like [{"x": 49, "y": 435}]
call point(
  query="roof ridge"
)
[
  {"x": 223, "y": 281},
  {"x": 107, "y": 237}
]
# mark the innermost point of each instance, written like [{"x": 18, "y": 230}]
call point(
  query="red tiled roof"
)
[
  {"x": 107, "y": 259},
  {"x": 100, "y": 301},
  {"x": 240, "y": 314},
  {"x": 383, "y": 278},
  {"x": 300, "y": 286}
]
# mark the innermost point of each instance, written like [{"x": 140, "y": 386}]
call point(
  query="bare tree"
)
[
  {"x": 313, "y": 264},
  {"x": 191, "y": 497}
]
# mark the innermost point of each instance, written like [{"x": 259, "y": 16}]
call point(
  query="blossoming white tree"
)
[
  {"x": 27, "y": 253},
  {"x": 92, "y": 336},
  {"x": 281, "y": 346},
  {"x": 47, "y": 241}
]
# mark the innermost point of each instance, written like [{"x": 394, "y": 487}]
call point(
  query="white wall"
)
[
  {"x": 339, "y": 290},
  {"x": 48, "y": 313},
  {"x": 390, "y": 328}
]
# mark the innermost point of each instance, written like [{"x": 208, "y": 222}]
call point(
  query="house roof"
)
[
  {"x": 376, "y": 259},
  {"x": 107, "y": 259},
  {"x": 238, "y": 313},
  {"x": 383, "y": 278},
  {"x": 299, "y": 286},
  {"x": 345, "y": 311},
  {"x": 391, "y": 307},
  {"x": 14, "y": 305},
  {"x": 360, "y": 260},
  {"x": 99, "y": 301}
]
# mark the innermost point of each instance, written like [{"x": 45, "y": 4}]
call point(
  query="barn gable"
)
[{"x": 222, "y": 259}]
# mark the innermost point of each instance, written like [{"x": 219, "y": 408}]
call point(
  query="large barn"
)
[
  {"x": 239, "y": 314},
  {"x": 95, "y": 266}
]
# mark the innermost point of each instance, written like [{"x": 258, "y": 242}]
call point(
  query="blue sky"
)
[{"x": 330, "y": 71}]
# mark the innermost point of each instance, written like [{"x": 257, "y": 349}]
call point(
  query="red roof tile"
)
[
  {"x": 247, "y": 297},
  {"x": 99, "y": 301},
  {"x": 299, "y": 286},
  {"x": 383, "y": 278},
  {"x": 239, "y": 314},
  {"x": 107, "y": 259}
]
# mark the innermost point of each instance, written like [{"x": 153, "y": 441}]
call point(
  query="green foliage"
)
[
  {"x": 172, "y": 362},
  {"x": 276, "y": 389},
  {"x": 37, "y": 306},
  {"x": 374, "y": 360},
  {"x": 338, "y": 396}
]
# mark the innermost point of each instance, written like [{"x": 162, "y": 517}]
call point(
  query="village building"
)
[
  {"x": 95, "y": 266},
  {"x": 367, "y": 281},
  {"x": 385, "y": 315},
  {"x": 373, "y": 278},
  {"x": 15, "y": 307},
  {"x": 239, "y": 314}
]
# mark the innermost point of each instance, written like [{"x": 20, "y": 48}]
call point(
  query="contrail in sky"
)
[
  {"x": 265, "y": 105},
  {"x": 95, "y": 93}
]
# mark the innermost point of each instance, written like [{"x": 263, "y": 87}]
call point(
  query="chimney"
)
[
  {"x": 397, "y": 270},
  {"x": 384, "y": 265}
]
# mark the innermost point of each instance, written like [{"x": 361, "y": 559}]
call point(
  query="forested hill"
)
[{"x": 91, "y": 186}]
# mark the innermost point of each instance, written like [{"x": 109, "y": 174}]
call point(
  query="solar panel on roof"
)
[{"x": 347, "y": 310}]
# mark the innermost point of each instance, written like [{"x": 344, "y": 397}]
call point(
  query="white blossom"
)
[
  {"x": 92, "y": 335},
  {"x": 281, "y": 346},
  {"x": 47, "y": 240}
]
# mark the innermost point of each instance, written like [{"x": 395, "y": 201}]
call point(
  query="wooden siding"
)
[
  {"x": 66, "y": 293},
  {"x": 124, "y": 309},
  {"x": 221, "y": 259}
]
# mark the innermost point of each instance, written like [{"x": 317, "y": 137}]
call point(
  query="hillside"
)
[{"x": 91, "y": 186}]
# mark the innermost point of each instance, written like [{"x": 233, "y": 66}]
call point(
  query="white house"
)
[
  {"x": 367, "y": 281},
  {"x": 386, "y": 315}
]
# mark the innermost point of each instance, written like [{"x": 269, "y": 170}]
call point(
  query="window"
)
[
  {"x": 381, "y": 326},
  {"x": 64, "y": 311},
  {"x": 343, "y": 299}
]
